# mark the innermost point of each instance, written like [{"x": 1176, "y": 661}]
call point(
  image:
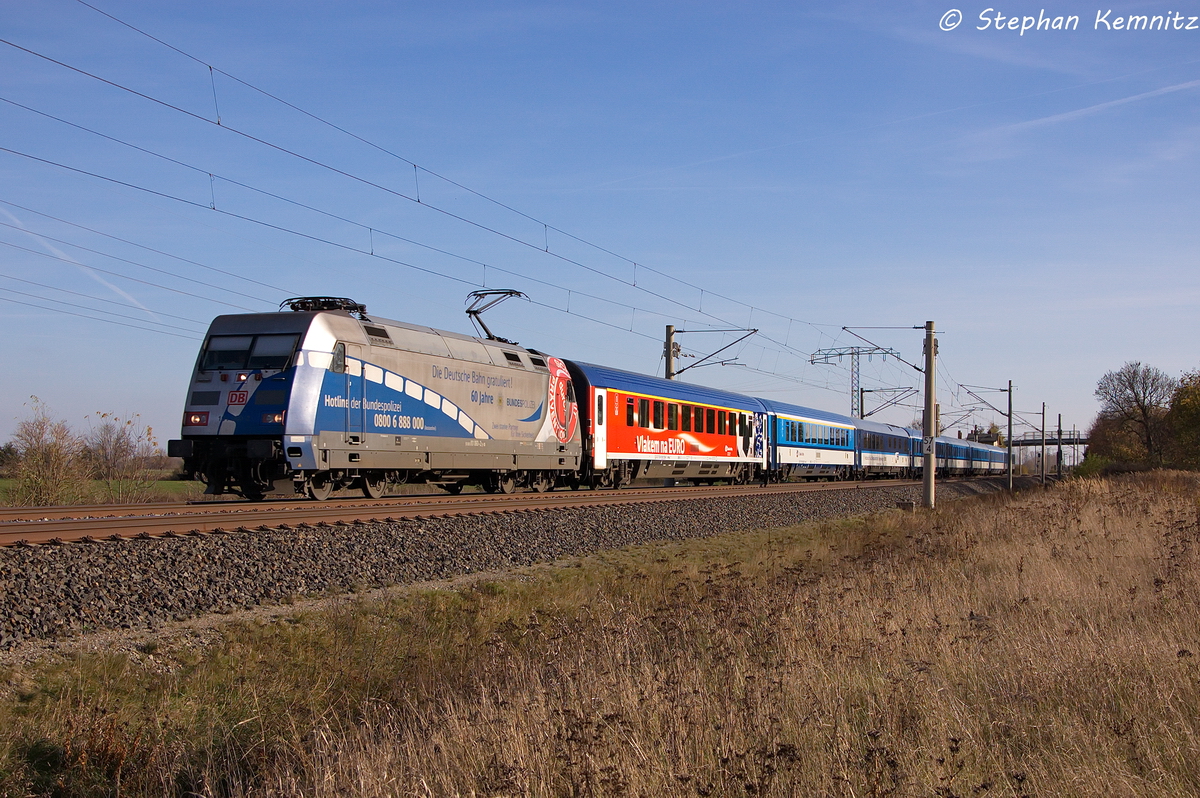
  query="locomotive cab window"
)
[
  {"x": 338, "y": 364},
  {"x": 226, "y": 352},
  {"x": 248, "y": 351},
  {"x": 272, "y": 351}
]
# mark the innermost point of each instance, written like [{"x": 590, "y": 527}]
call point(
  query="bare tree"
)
[
  {"x": 1138, "y": 396},
  {"x": 123, "y": 456},
  {"x": 50, "y": 468}
]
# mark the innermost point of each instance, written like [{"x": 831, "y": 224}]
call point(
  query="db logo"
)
[{"x": 239, "y": 397}]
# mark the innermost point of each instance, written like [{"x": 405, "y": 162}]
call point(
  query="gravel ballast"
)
[{"x": 57, "y": 591}]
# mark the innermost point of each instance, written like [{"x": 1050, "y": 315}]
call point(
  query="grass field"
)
[
  {"x": 1038, "y": 645},
  {"x": 164, "y": 490}
]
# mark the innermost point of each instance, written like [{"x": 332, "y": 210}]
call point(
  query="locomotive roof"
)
[
  {"x": 606, "y": 377},
  {"x": 299, "y": 321}
]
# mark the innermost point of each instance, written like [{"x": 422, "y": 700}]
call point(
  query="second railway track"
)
[{"x": 69, "y": 524}]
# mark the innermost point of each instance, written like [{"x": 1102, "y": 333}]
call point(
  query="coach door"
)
[
  {"x": 355, "y": 392},
  {"x": 600, "y": 429}
]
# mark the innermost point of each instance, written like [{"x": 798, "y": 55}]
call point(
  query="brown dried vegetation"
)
[{"x": 1042, "y": 644}]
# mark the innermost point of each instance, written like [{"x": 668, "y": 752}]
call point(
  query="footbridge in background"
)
[{"x": 1053, "y": 438}]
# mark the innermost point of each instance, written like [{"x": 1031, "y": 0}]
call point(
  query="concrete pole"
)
[
  {"x": 929, "y": 444},
  {"x": 1058, "y": 463},
  {"x": 1043, "y": 443},
  {"x": 669, "y": 352},
  {"x": 1009, "y": 439}
]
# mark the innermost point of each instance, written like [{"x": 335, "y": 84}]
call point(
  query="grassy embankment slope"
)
[
  {"x": 94, "y": 492},
  {"x": 1040, "y": 645}
]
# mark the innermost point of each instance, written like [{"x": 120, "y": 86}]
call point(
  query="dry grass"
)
[{"x": 1040, "y": 645}]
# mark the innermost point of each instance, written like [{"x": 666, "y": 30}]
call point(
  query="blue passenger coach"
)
[
  {"x": 806, "y": 443},
  {"x": 884, "y": 450}
]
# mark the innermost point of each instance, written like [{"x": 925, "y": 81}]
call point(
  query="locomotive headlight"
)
[
  {"x": 242, "y": 377},
  {"x": 198, "y": 419},
  {"x": 273, "y": 418}
]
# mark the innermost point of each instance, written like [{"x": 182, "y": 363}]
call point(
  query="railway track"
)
[{"x": 41, "y": 525}]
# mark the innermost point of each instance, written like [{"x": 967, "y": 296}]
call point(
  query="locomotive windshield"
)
[{"x": 248, "y": 351}]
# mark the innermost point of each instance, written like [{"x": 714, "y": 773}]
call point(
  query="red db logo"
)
[{"x": 239, "y": 397}]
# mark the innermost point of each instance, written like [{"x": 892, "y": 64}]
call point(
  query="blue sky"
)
[{"x": 764, "y": 165}]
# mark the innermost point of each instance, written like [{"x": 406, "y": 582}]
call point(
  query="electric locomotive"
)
[{"x": 326, "y": 396}]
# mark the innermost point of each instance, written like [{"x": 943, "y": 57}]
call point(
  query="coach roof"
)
[{"x": 615, "y": 379}]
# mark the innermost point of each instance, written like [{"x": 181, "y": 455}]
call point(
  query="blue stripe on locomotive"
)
[{"x": 355, "y": 404}]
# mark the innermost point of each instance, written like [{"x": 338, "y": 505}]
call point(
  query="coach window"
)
[
  {"x": 659, "y": 409},
  {"x": 600, "y": 411},
  {"x": 672, "y": 416},
  {"x": 629, "y": 412},
  {"x": 710, "y": 419},
  {"x": 685, "y": 418},
  {"x": 720, "y": 422},
  {"x": 338, "y": 366},
  {"x": 742, "y": 425},
  {"x": 643, "y": 412}
]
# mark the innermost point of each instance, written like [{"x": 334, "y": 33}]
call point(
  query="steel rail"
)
[
  {"x": 218, "y": 507},
  {"x": 200, "y": 520}
]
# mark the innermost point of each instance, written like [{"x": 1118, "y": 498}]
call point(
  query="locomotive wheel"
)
[
  {"x": 374, "y": 485},
  {"x": 541, "y": 483},
  {"x": 501, "y": 483},
  {"x": 320, "y": 487},
  {"x": 454, "y": 488}
]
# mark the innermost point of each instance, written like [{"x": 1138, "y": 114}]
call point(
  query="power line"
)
[
  {"x": 546, "y": 226},
  {"x": 85, "y": 307},
  {"x": 143, "y": 246},
  {"x": 100, "y": 299},
  {"x": 74, "y": 262},
  {"x": 125, "y": 260},
  {"x": 367, "y": 228},
  {"x": 284, "y": 230},
  {"x": 402, "y": 195},
  {"x": 93, "y": 318}
]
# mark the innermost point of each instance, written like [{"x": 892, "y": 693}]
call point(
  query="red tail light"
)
[{"x": 196, "y": 419}]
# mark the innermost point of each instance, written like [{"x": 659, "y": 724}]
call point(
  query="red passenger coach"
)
[{"x": 640, "y": 426}]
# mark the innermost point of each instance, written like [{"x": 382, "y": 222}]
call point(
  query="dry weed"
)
[{"x": 1041, "y": 644}]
